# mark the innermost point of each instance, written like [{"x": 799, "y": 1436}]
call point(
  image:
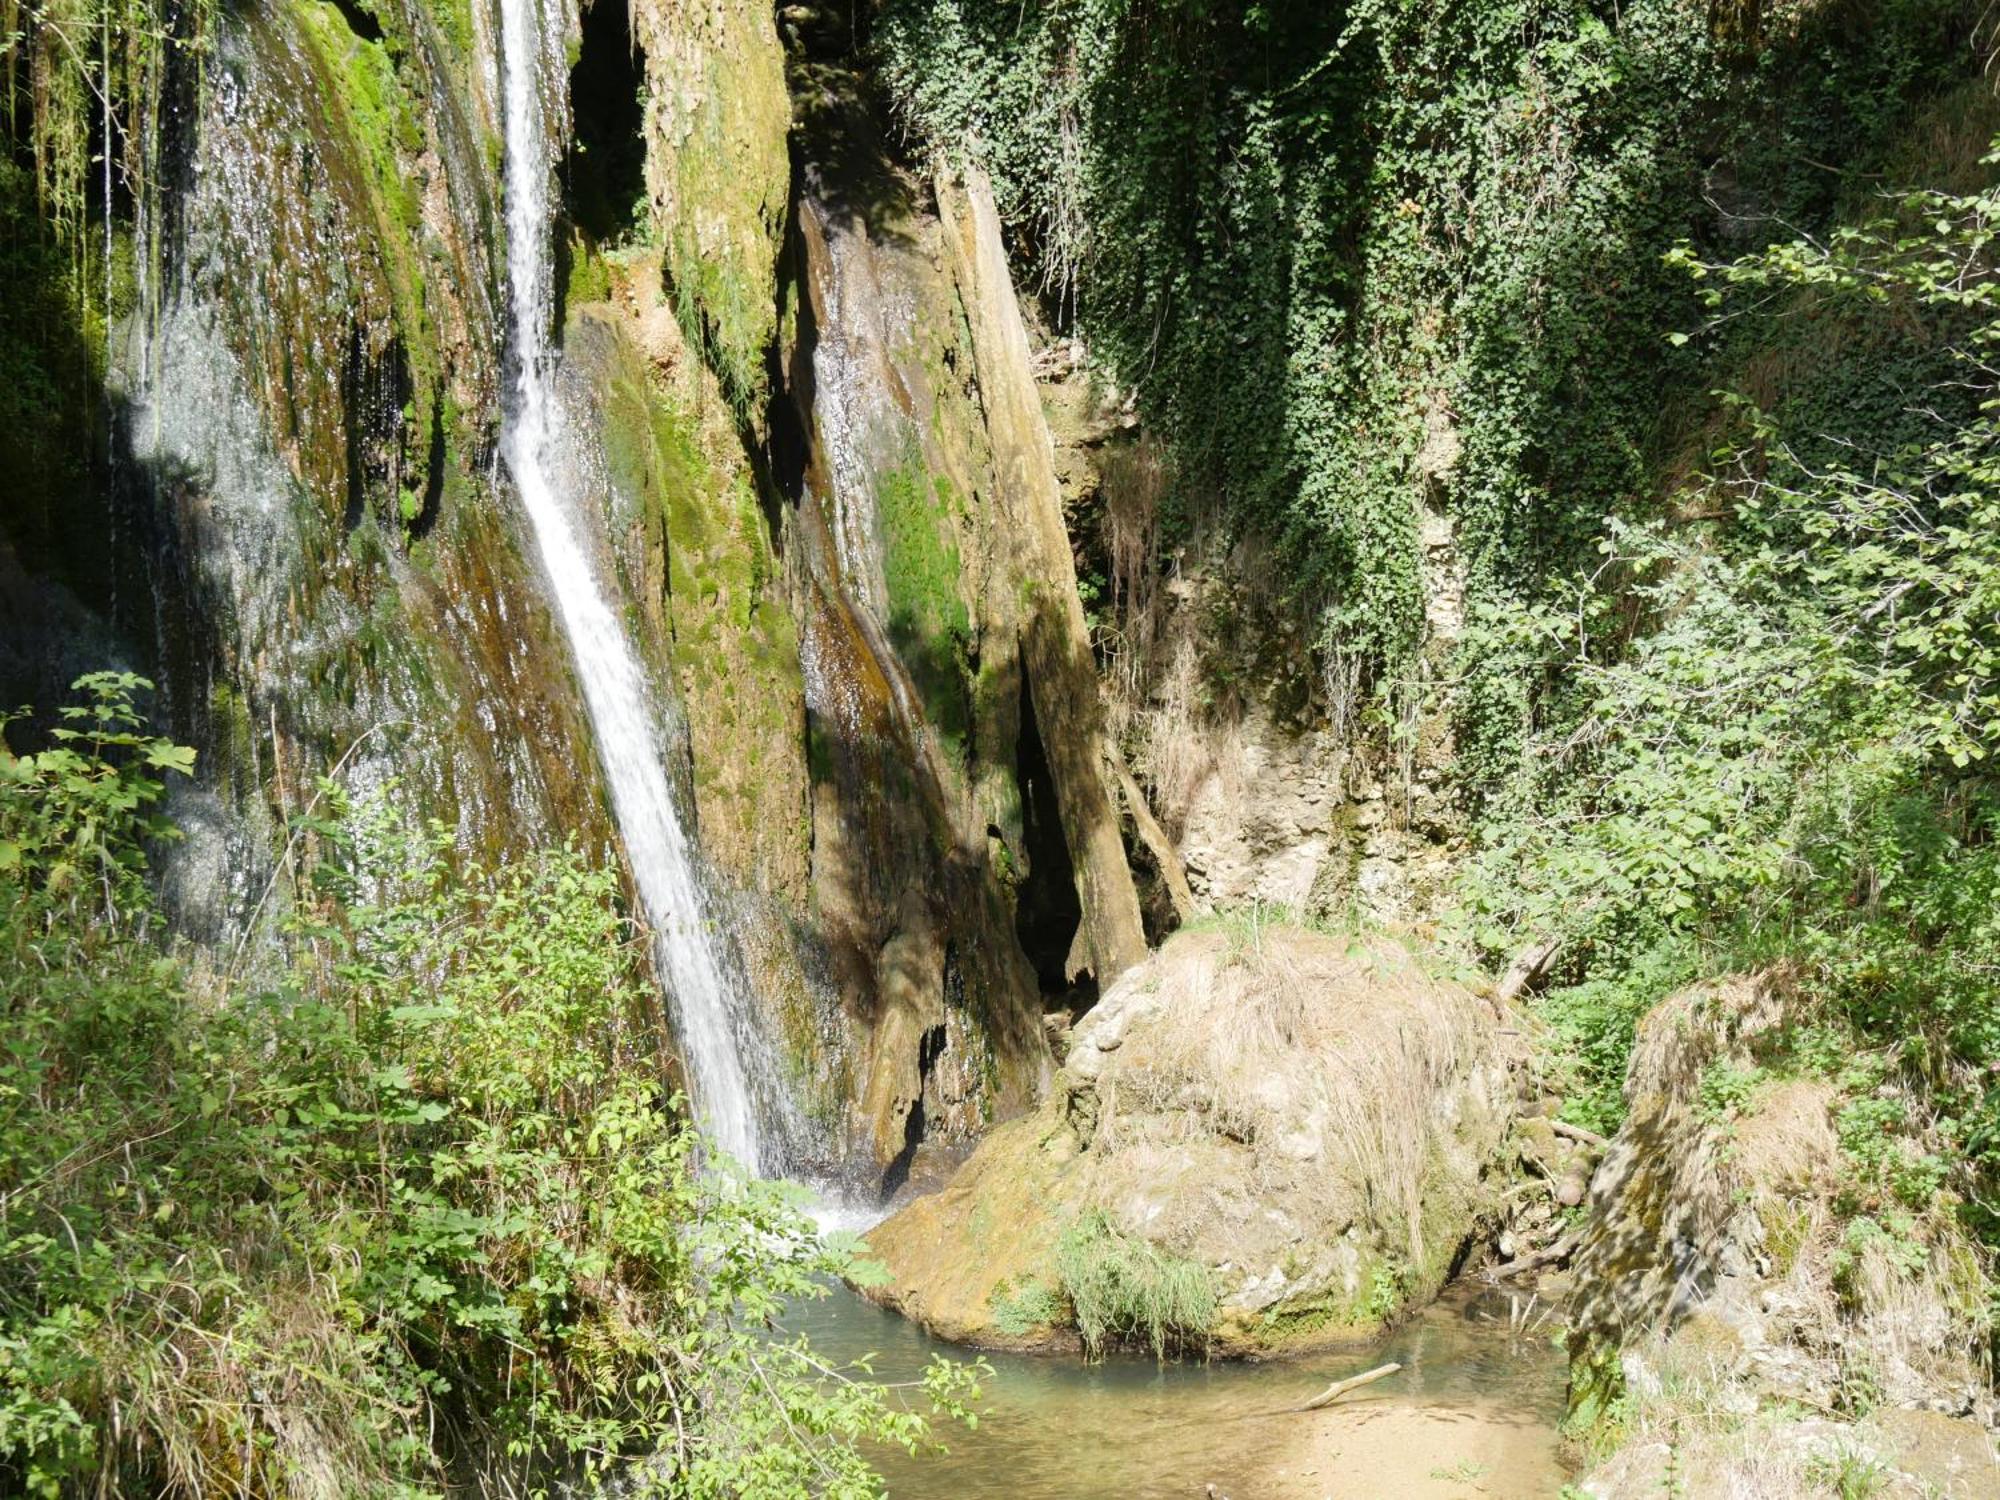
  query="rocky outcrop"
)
[
  {"x": 1736, "y": 1271},
  {"x": 1246, "y": 736},
  {"x": 967, "y": 865},
  {"x": 1311, "y": 1128}
]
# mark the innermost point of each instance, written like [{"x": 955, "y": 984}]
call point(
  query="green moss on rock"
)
[
  {"x": 928, "y": 619},
  {"x": 718, "y": 171}
]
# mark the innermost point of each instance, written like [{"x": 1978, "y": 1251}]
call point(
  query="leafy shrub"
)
[
  {"x": 1032, "y": 1304},
  {"x": 1780, "y": 754},
  {"x": 1122, "y": 1287},
  {"x": 424, "y": 1213}
]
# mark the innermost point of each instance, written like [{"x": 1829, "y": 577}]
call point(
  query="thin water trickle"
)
[{"x": 731, "y": 1068}]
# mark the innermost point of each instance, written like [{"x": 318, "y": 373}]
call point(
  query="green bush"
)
[
  {"x": 1781, "y": 752},
  {"x": 425, "y": 1210},
  {"x": 1123, "y": 1288},
  {"x": 1021, "y": 1308}
]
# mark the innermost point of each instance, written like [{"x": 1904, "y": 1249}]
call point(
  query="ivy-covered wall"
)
[{"x": 1385, "y": 266}]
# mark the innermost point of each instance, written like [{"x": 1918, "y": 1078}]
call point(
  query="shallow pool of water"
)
[{"x": 1472, "y": 1412}]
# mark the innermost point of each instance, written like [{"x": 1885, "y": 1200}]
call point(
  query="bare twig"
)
[
  {"x": 1353, "y": 1382},
  {"x": 1578, "y": 1133}
]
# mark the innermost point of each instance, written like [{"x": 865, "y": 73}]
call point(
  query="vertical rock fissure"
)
[
  {"x": 1047, "y": 912},
  {"x": 604, "y": 170}
]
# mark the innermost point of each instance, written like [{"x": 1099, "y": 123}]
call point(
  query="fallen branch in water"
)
[
  {"x": 1341, "y": 1387},
  {"x": 1561, "y": 1250}
]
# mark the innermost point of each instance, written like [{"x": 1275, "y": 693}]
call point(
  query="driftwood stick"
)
[
  {"x": 1561, "y": 1250},
  {"x": 1341, "y": 1387},
  {"x": 1578, "y": 1133}
]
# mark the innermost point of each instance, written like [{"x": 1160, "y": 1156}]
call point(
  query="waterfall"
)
[{"x": 731, "y": 1068}]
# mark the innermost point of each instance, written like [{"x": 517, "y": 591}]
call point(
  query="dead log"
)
[
  {"x": 1525, "y": 972},
  {"x": 1341, "y": 1387},
  {"x": 1578, "y": 1133},
  {"x": 1173, "y": 874}
]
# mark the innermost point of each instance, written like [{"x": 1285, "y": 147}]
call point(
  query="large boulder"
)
[
  {"x": 1261, "y": 1139},
  {"x": 1751, "y": 1313}
]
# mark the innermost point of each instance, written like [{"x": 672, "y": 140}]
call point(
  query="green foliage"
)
[
  {"x": 49, "y": 363},
  {"x": 74, "y": 67},
  {"x": 1368, "y": 259},
  {"x": 1384, "y": 1293},
  {"x": 1850, "y": 1475},
  {"x": 1124, "y": 1288},
  {"x": 1591, "y": 1024},
  {"x": 1021, "y": 1308},
  {"x": 76, "y": 815},
  {"x": 1725, "y": 1089},
  {"x": 83, "y": 86},
  {"x": 424, "y": 1210},
  {"x": 1777, "y": 722}
]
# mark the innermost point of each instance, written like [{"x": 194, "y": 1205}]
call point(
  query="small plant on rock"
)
[{"x": 1126, "y": 1288}]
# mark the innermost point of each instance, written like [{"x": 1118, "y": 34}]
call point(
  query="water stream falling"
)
[{"x": 724, "y": 1049}]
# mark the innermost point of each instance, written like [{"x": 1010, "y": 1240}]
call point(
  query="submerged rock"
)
[{"x": 1287, "y": 1136}]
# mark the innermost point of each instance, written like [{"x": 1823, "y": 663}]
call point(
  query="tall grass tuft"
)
[{"x": 1127, "y": 1289}]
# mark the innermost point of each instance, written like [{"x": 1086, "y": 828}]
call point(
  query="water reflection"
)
[{"x": 1473, "y": 1411}]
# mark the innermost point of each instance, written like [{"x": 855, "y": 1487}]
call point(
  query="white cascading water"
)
[{"x": 716, "y": 1029}]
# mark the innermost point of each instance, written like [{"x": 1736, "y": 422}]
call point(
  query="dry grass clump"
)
[{"x": 1311, "y": 1048}]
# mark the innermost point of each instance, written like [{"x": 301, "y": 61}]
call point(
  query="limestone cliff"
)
[{"x": 800, "y": 420}]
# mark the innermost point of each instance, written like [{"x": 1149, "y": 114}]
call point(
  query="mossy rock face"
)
[
  {"x": 718, "y": 173},
  {"x": 929, "y": 624},
  {"x": 1295, "y": 1135},
  {"x": 312, "y": 411},
  {"x": 692, "y": 546}
]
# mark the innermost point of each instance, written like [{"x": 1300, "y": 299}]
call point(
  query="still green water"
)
[{"x": 1472, "y": 1413}]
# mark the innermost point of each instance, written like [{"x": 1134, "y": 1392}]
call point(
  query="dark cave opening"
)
[
  {"x": 360, "y": 19},
  {"x": 1047, "y": 911},
  {"x": 604, "y": 173},
  {"x": 929, "y": 1049}
]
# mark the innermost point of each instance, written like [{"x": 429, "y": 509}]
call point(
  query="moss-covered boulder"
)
[
  {"x": 1755, "y": 1309},
  {"x": 1261, "y": 1139}
]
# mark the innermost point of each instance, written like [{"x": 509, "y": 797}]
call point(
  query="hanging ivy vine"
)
[{"x": 1318, "y": 238}]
